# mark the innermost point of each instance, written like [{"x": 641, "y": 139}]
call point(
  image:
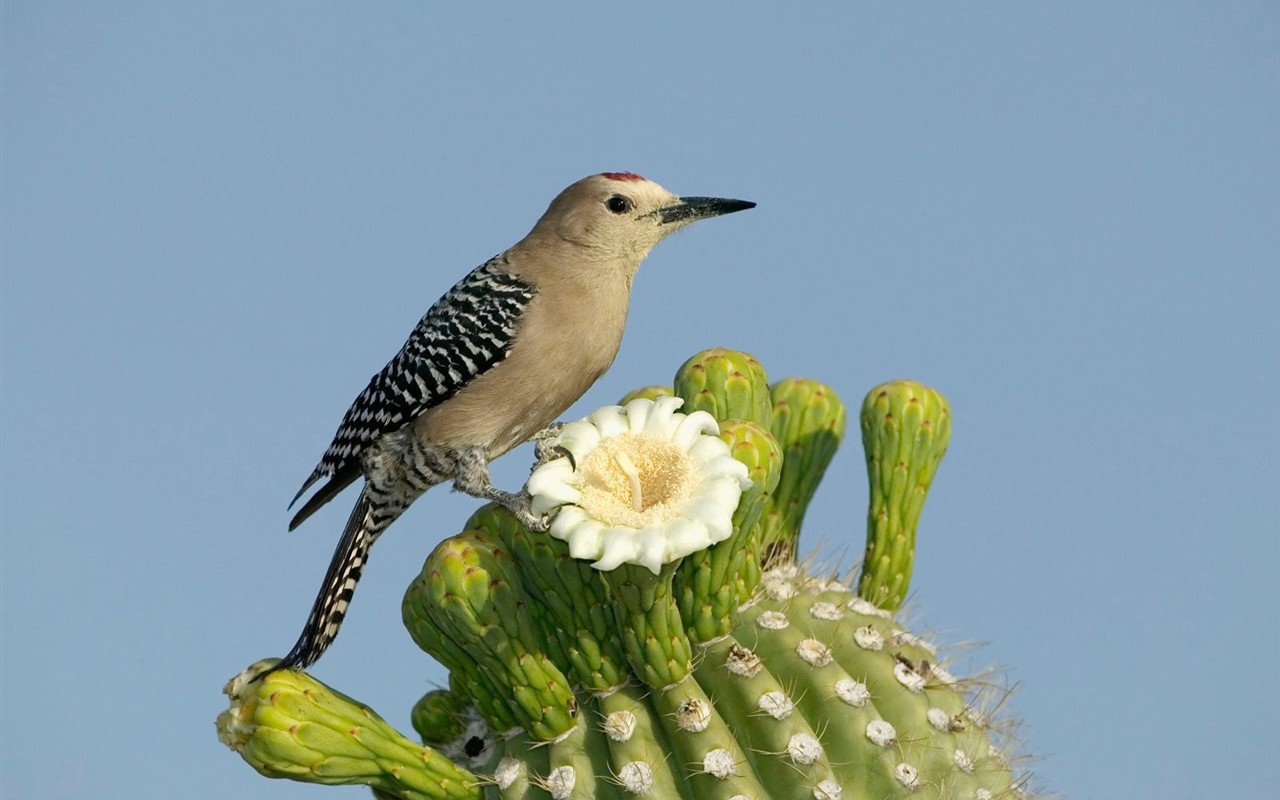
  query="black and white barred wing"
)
[{"x": 466, "y": 333}]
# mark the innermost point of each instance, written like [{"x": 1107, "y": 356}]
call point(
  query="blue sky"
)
[{"x": 217, "y": 220}]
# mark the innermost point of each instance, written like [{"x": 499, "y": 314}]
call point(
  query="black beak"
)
[{"x": 690, "y": 209}]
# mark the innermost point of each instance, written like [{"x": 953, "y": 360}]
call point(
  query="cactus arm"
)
[
  {"x": 781, "y": 633},
  {"x": 288, "y": 725},
  {"x": 437, "y": 716},
  {"x": 472, "y": 597},
  {"x": 571, "y": 768},
  {"x": 575, "y": 602},
  {"x": 515, "y": 774},
  {"x": 809, "y": 423},
  {"x": 906, "y": 427}
]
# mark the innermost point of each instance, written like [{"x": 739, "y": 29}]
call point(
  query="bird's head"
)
[{"x": 620, "y": 216}]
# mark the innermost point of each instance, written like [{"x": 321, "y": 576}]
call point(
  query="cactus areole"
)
[{"x": 660, "y": 639}]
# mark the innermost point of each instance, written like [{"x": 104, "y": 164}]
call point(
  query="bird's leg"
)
[{"x": 471, "y": 475}]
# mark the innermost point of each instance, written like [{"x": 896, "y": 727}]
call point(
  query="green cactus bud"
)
[
  {"x": 438, "y": 716},
  {"x": 470, "y": 592},
  {"x": 808, "y": 422},
  {"x": 905, "y": 430},
  {"x": 647, "y": 392},
  {"x": 727, "y": 384},
  {"x": 711, "y": 584},
  {"x": 288, "y": 725}
]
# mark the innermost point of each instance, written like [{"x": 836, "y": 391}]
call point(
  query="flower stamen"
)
[{"x": 629, "y": 467}]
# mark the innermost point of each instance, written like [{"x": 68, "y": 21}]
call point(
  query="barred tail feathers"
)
[{"x": 364, "y": 526}]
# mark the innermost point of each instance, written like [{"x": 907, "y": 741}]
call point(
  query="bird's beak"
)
[{"x": 692, "y": 209}]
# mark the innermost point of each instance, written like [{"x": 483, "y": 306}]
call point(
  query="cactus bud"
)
[{"x": 726, "y": 384}]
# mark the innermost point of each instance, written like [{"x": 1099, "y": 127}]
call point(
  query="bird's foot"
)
[
  {"x": 544, "y": 444},
  {"x": 471, "y": 475},
  {"x": 520, "y": 507}
]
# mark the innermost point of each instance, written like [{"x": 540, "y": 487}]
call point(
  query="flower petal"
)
[
  {"x": 565, "y": 520},
  {"x": 717, "y": 520},
  {"x": 684, "y": 526},
  {"x": 579, "y": 438},
  {"x": 693, "y": 426},
  {"x": 705, "y": 448},
  {"x": 619, "y": 546},
  {"x": 609, "y": 421},
  {"x": 685, "y": 536},
  {"x": 587, "y": 540},
  {"x": 547, "y": 491},
  {"x": 651, "y": 548},
  {"x": 556, "y": 470},
  {"x": 637, "y": 412},
  {"x": 663, "y": 418},
  {"x": 727, "y": 468},
  {"x": 723, "y": 493}
]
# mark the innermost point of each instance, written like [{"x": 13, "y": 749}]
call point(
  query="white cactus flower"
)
[{"x": 645, "y": 485}]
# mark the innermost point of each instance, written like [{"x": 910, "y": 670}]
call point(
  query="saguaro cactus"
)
[{"x": 660, "y": 640}]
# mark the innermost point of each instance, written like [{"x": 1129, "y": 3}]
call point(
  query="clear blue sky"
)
[{"x": 219, "y": 219}]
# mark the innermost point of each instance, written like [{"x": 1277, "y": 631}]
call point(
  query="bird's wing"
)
[{"x": 466, "y": 333}]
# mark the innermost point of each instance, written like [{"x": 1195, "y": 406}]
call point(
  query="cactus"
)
[
  {"x": 808, "y": 421},
  {"x": 663, "y": 642},
  {"x": 726, "y": 384},
  {"x": 647, "y": 393},
  {"x": 905, "y": 430}
]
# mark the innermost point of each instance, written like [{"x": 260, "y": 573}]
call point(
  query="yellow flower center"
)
[{"x": 636, "y": 480}]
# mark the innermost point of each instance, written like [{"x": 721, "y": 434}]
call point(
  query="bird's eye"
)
[{"x": 618, "y": 204}]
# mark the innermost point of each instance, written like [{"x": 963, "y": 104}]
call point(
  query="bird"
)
[{"x": 490, "y": 365}]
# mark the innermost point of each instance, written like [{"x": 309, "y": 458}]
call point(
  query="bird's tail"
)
[{"x": 364, "y": 525}]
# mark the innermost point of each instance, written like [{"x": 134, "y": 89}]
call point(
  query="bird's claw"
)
[
  {"x": 522, "y": 511},
  {"x": 544, "y": 443},
  {"x": 520, "y": 506},
  {"x": 533, "y": 522},
  {"x": 561, "y": 450}
]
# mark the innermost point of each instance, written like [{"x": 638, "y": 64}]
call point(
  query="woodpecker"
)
[{"x": 494, "y": 362}]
